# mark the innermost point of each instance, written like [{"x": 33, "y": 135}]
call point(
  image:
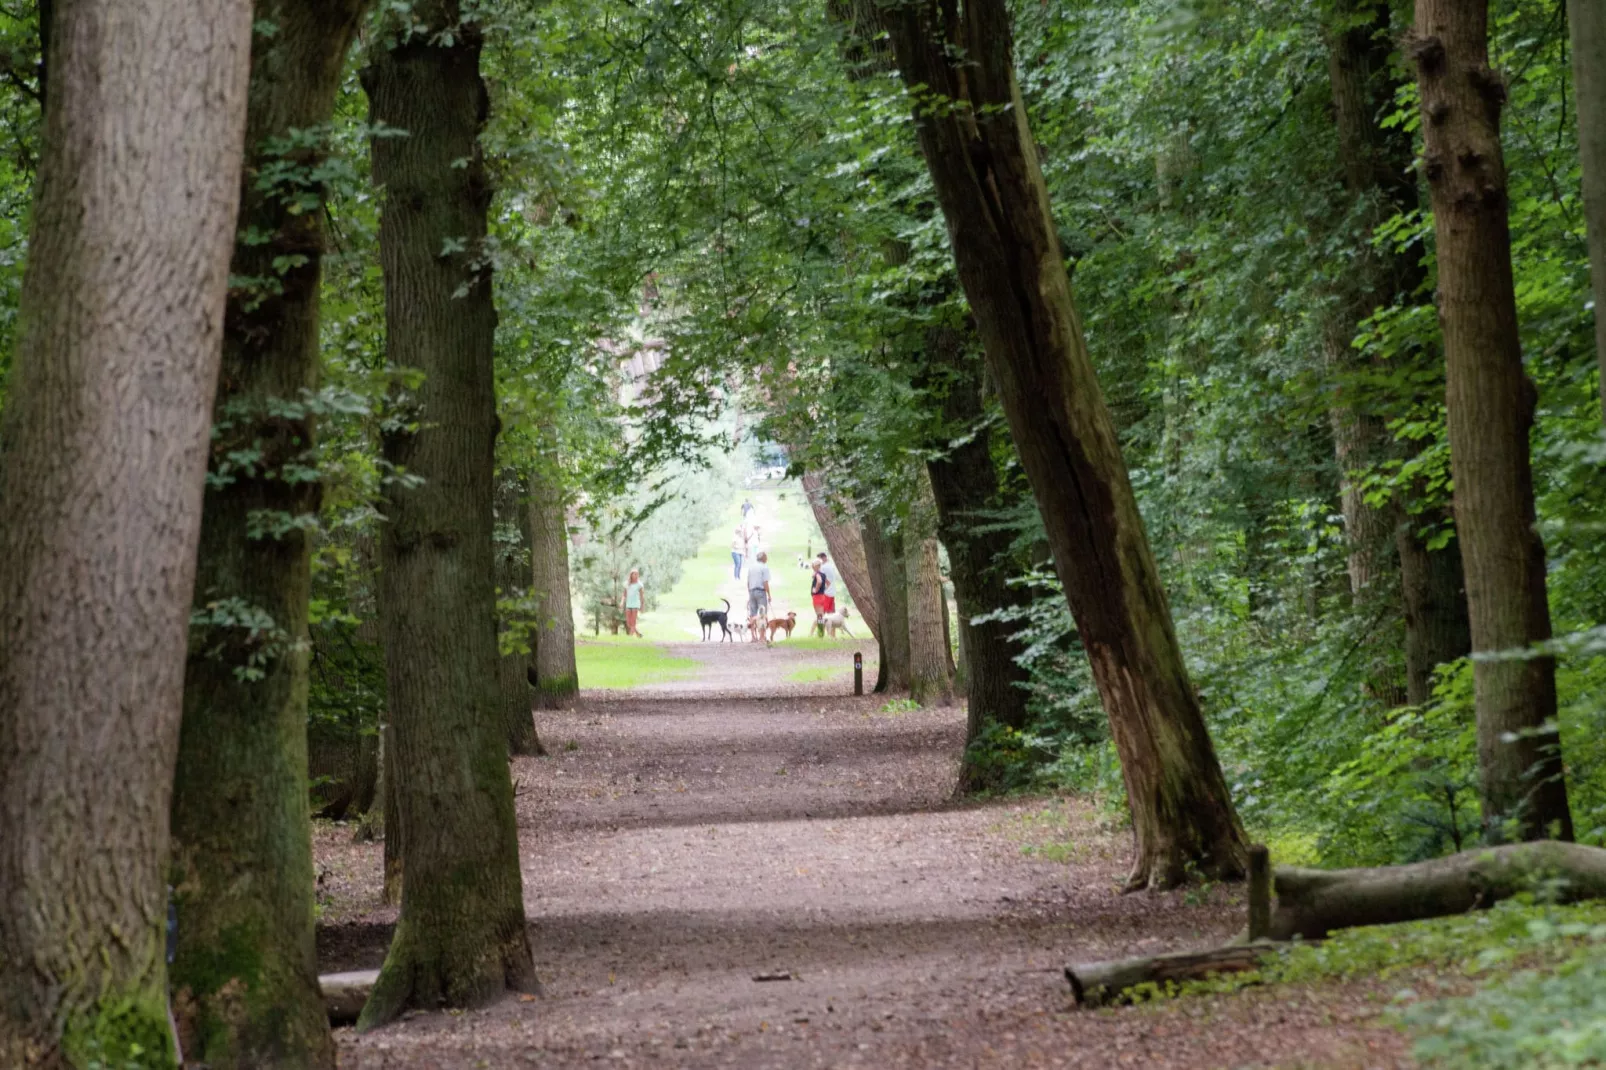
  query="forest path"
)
[{"x": 680, "y": 847}]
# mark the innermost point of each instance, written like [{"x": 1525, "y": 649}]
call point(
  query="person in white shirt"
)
[
  {"x": 738, "y": 552},
  {"x": 758, "y": 588}
]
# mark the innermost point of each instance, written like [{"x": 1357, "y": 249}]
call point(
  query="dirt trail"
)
[{"x": 680, "y": 846}]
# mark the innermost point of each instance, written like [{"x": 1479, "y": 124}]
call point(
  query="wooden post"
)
[
  {"x": 858, "y": 673},
  {"x": 1259, "y": 892}
]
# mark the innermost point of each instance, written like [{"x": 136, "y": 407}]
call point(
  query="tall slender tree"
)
[
  {"x": 557, "y": 679},
  {"x": 1490, "y": 403},
  {"x": 931, "y": 680},
  {"x": 104, "y": 438},
  {"x": 884, "y": 558},
  {"x": 957, "y": 62},
  {"x": 245, "y": 974},
  {"x": 513, "y": 583},
  {"x": 460, "y": 939},
  {"x": 1588, "y": 19}
]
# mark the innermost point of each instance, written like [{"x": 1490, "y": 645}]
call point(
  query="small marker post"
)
[{"x": 858, "y": 673}]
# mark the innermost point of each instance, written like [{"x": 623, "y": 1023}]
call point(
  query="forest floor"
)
[{"x": 751, "y": 868}]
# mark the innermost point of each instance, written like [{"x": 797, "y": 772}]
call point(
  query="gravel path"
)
[{"x": 719, "y": 879}]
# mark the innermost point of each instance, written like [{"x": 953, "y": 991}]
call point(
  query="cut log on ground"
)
[
  {"x": 345, "y": 993},
  {"x": 1313, "y": 902},
  {"x": 1098, "y": 984}
]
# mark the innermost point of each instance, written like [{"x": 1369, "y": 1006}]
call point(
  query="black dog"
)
[{"x": 710, "y": 617}]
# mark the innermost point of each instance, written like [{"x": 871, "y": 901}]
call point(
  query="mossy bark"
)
[
  {"x": 245, "y": 976},
  {"x": 883, "y": 555},
  {"x": 1490, "y": 406},
  {"x": 931, "y": 681},
  {"x": 460, "y": 940},
  {"x": 557, "y": 680},
  {"x": 973, "y": 130},
  {"x": 104, "y": 436}
]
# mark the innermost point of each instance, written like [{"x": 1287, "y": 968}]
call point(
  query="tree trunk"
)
[
  {"x": 846, "y": 546},
  {"x": 244, "y": 976},
  {"x": 1588, "y": 18},
  {"x": 964, "y": 482},
  {"x": 1313, "y": 902},
  {"x": 931, "y": 681},
  {"x": 1436, "y": 627},
  {"x": 461, "y": 938},
  {"x": 512, "y": 579},
  {"x": 105, "y": 446},
  {"x": 1490, "y": 404},
  {"x": 984, "y": 168},
  {"x": 883, "y": 555},
  {"x": 390, "y": 895},
  {"x": 557, "y": 678}
]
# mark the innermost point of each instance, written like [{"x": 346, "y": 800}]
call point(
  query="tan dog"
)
[
  {"x": 755, "y": 629},
  {"x": 786, "y": 623},
  {"x": 837, "y": 622}
]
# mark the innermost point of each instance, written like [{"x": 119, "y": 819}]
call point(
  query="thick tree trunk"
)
[
  {"x": 461, "y": 938},
  {"x": 846, "y": 547},
  {"x": 883, "y": 555},
  {"x": 105, "y": 445},
  {"x": 964, "y": 482},
  {"x": 1490, "y": 404},
  {"x": 1436, "y": 627},
  {"x": 984, "y": 167},
  {"x": 512, "y": 582},
  {"x": 1588, "y": 18},
  {"x": 557, "y": 679},
  {"x": 1313, "y": 902},
  {"x": 931, "y": 681},
  {"x": 244, "y": 977},
  {"x": 390, "y": 895}
]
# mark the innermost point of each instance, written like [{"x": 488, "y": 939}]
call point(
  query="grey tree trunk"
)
[
  {"x": 105, "y": 446},
  {"x": 983, "y": 163},
  {"x": 1490, "y": 402},
  {"x": 512, "y": 583},
  {"x": 931, "y": 681},
  {"x": 1588, "y": 19},
  {"x": 883, "y": 556},
  {"x": 460, "y": 940},
  {"x": 557, "y": 678},
  {"x": 240, "y": 822}
]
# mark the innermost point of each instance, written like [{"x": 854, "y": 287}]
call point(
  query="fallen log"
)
[
  {"x": 345, "y": 993},
  {"x": 1313, "y": 902},
  {"x": 1097, "y": 984}
]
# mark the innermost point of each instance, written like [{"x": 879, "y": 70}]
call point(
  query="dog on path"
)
[
  {"x": 786, "y": 624},
  {"x": 738, "y": 631},
  {"x": 710, "y": 617},
  {"x": 838, "y": 621}
]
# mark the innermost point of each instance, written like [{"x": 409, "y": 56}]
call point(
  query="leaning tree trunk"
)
[
  {"x": 931, "y": 681},
  {"x": 240, "y": 821},
  {"x": 984, "y": 168},
  {"x": 846, "y": 546},
  {"x": 1490, "y": 403},
  {"x": 512, "y": 579},
  {"x": 460, "y": 939},
  {"x": 883, "y": 555},
  {"x": 105, "y": 445},
  {"x": 557, "y": 679},
  {"x": 1588, "y": 18},
  {"x": 965, "y": 483}
]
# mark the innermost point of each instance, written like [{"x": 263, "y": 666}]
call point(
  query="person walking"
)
[
  {"x": 632, "y": 600},
  {"x": 738, "y": 552},
  {"x": 758, "y": 594},
  {"x": 818, "y": 586}
]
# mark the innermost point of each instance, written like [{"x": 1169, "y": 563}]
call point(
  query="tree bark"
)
[
  {"x": 883, "y": 555},
  {"x": 1313, "y": 902},
  {"x": 1490, "y": 403},
  {"x": 512, "y": 582},
  {"x": 846, "y": 546},
  {"x": 984, "y": 168},
  {"x": 1588, "y": 19},
  {"x": 931, "y": 681},
  {"x": 557, "y": 678},
  {"x": 963, "y": 482},
  {"x": 1099, "y": 984},
  {"x": 245, "y": 973},
  {"x": 461, "y": 939},
  {"x": 1436, "y": 627},
  {"x": 105, "y": 445}
]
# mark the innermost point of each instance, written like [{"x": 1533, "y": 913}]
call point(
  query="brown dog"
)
[{"x": 786, "y": 623}]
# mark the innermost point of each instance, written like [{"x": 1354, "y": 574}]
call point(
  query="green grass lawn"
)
[
  {"x": 789, "y": 532},
  {"x": 617, "y": 663}
]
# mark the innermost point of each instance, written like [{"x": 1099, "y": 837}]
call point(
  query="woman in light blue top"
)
[{"x": 632, "y": 601}]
